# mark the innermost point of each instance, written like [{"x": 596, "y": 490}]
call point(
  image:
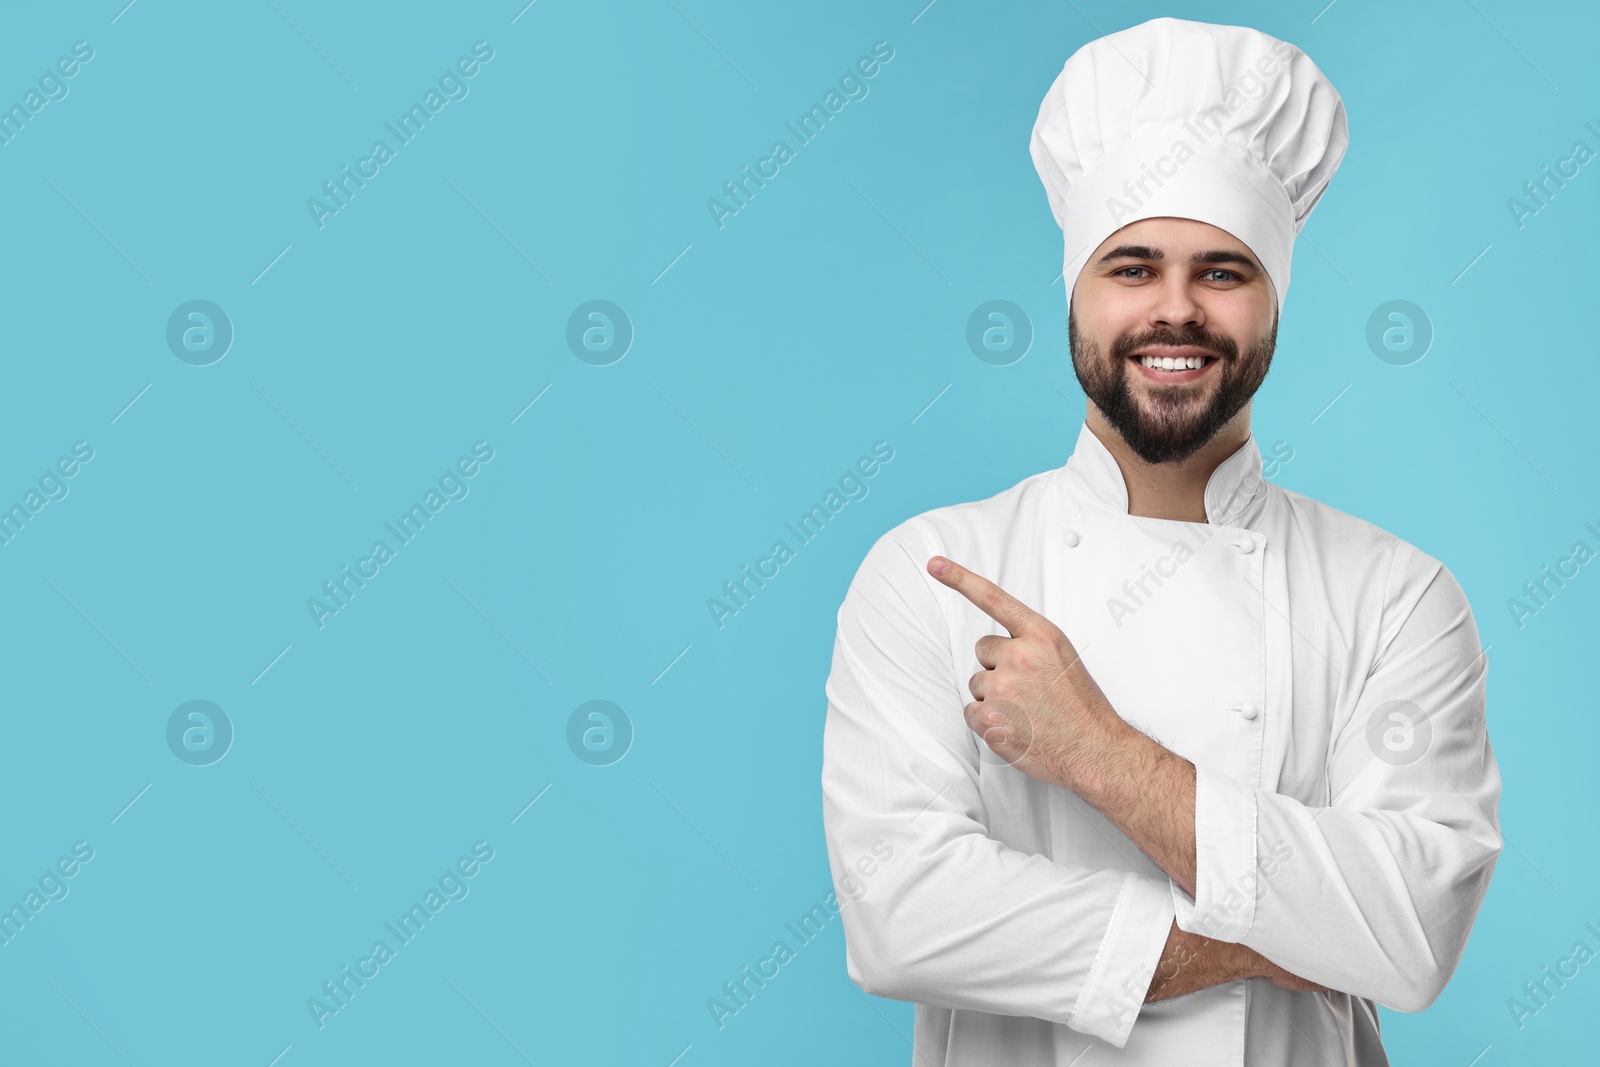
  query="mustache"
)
[{"x": 1221, "y": 347}]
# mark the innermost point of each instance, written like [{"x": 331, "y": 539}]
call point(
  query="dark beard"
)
[{"x": 1174, "y": 432}]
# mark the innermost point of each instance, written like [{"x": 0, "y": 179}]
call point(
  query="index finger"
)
[{"x": 993, "y": 601}]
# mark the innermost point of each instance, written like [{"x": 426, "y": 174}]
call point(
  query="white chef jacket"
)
[{"x": 1324, "y": 677}]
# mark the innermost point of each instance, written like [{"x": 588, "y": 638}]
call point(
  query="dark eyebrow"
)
[{"x": 1220, "y": 255}]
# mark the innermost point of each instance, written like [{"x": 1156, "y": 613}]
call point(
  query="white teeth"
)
[{"x": 1168, "y": 363}]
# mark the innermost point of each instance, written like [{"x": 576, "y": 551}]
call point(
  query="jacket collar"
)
[{"x": 1235, "y": 492}]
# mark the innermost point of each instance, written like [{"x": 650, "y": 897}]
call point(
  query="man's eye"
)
[
  {"x": 1230, "y": 275},
  {"x": 1124, "y": 271}
]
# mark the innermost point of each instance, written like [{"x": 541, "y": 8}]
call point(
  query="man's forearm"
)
[
  {"x": 1190, "y": 963},
  {"x": 1147, "y": 791}
]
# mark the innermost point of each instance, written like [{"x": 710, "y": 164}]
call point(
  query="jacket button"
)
[
  {"x": 1247, "y": 711},
  {"x": 1070, "y": 538},
  {"x": 1247, "y": 545}
]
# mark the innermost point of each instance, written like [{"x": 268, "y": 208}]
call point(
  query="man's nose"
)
[{"x": 1175, "y": 306}]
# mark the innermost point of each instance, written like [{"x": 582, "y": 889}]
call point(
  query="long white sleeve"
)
[
  {"x": 957, "y": 918},
  {"x": 1375, "y": 893}
]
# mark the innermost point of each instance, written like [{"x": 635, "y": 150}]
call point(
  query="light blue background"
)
[{"x": 828, "y": 314}]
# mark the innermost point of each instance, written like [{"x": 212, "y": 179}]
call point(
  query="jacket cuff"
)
[
  {"x": 1224, "y": 906},
  {"x": 1120, "y": 976}
]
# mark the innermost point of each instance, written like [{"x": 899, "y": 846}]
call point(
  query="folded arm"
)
[
  {"x": 1192, "y": 962},
  {"x": 1375, "y": 892},
  {"x": 958, "y": 918}
]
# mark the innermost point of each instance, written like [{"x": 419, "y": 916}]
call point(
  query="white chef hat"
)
[{"x": 1223, "y": 124}]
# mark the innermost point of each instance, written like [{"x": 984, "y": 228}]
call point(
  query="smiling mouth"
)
[{"x": 1173, "y": 369}]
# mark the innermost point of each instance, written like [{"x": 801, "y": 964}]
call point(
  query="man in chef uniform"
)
[{"x": 1171, "y": 765}]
